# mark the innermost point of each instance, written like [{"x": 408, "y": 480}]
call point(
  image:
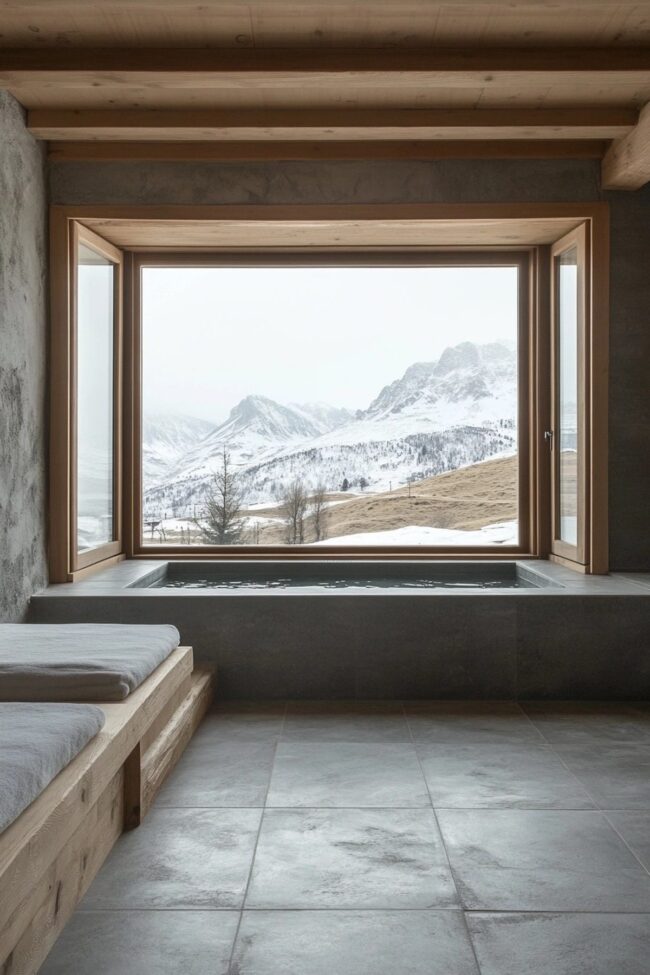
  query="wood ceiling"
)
[
  {"x": 322, "y": 23},
  {"x": 318, "y": 79}
]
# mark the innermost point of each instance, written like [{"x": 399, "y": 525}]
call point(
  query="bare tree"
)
[
  {"x": 318, "y": 510},
  {"x": 294, "y": 508},
  {"x": 222, "y": 523}
]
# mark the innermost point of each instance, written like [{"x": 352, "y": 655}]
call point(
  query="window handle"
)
[{"x": 548, "y": 436}]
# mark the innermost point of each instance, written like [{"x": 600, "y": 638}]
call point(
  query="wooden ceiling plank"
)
[
  {"x": 535, "y": 94},
  {"x": 268, "y": 98},
  {"x": 218, "y": 66},
  {"x": 321, "y": 23},
  {"x": 305, "y": 151},
  {"x": 190, "y": 5},
  {"x": 626, "y": 165},
  {"x": 308, "y": 124}
]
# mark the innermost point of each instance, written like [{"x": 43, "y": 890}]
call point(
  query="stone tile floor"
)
[{"x": 385, "y": 839}]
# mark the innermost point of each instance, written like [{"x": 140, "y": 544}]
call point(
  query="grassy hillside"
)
[{"x": 466, "y": 499}]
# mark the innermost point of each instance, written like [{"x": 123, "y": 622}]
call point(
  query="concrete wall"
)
[
  {"x": 23, "y": 352},
  {"x": 629, "y": 387},
  {"x": 447, "y": 181}
]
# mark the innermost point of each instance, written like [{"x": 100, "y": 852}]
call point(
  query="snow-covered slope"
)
[
  {"x": 438, "y": 416},
  {"x": 469, "y": 385},
  {"x": 379, "y": 465},
  {"x": 256, "y": 430},
  {"x": 325, "y": 417},
  {"x": 465, "y": 373},
  {"x": 166, "y": 437},
  {"x": 264, "y": 418},
  {"x": 505, "y": 533}
]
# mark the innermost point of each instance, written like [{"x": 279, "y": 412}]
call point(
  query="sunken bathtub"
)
[{"x": 383, "y": 630}]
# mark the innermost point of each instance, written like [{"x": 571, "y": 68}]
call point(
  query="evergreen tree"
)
[{"x": 222, "y": 523}]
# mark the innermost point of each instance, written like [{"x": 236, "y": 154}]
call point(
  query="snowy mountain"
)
[
  {"x": 326, "y": 417},
  {"x": 469, "y": 385},
  {"x": 379, "y": 465},
  {"x": 256, "y": 430},
  {"x": 466, "y": 373},
  {"x": 267, "y": 419},
  {"x": 166, "y": 437},
  {"x": 437, "y": 416}
]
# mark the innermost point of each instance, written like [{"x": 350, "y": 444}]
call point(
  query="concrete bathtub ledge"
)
[{"x": 580, "y": 638}]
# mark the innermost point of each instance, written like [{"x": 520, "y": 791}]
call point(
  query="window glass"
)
[
  {"x": 95, "y": 374},
  {"x": 568, "y": 395},
  {"x": 339, "y": 406}
]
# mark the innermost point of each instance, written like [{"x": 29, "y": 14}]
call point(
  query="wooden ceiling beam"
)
[
  {"x": 221, "y": 67},
  {"x": 626, "y": 165},
  {"x": 305, "y": 151},
  {"x": 190, "y": 5},
  {"x": 331, "y": 125}
]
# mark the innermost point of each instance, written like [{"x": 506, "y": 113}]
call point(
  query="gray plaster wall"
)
[
  {"x": 23, "y": 363},
  {"x": 447, "y": 181},
  {"x": 629, "y": 385}
]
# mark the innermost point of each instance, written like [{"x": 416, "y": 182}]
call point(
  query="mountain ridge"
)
[{"x": 470, "y": 389}]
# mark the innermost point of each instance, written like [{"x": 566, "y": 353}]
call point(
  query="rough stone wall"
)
[
  {"x": 23, "y": 357},
  {"x": 447, "y": 181}
]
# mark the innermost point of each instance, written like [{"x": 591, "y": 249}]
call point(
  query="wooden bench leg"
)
[{"x": 133, "y": 789}]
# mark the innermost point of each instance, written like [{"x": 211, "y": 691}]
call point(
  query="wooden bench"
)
[{"x": 52, "y": 852}]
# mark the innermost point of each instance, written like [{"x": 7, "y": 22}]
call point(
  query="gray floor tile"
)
[
  {"x": 220, "y": 773},
  {"x": 350, "y": 858},
  {"x": 534, "y": 860},
  {"x": 584, "y": 722},
  {"x": 345, "y": 721},
  {"x": 469, "y": 723},
  {"x": 246, "y": 721},
  {"x": 142, "y": 942},
  {"x": 353, "y": 943},
  {"x": 561, "y": 944},
  {"x": 616, "y": 776},
  {"x": 366, "y": 887},
  {"x": 179, "y": 858},
  {"x": 634, "y": 826},
  {"x": 347, "y": 774},
  {"x": 500, "y": 776}
]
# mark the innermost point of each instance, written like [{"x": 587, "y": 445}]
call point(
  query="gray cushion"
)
[
  {"x": 37, "y": 741},
  {"x": 79, "y": 661}
]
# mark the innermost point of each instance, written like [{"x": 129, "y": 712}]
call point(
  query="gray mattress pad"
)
[
  {"x": 37, "y": 741},
  {"x": 79, "y": 661}
]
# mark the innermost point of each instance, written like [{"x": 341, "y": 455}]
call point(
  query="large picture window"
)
[
  {"x": 343, "y": 383},
  {"x": 339, "y": 404}
]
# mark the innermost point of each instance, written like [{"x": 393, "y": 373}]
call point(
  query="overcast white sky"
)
[{"x": 337, "y": 335}]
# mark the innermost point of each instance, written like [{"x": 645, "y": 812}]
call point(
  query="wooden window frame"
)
[
  {"x": 521, "y": 258},
  {"x": 591, "y": 554},
  {"x": 65, "y": 558},
  {"x": 368, "y": 230},
  {"x": 578, "y": 553}
]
